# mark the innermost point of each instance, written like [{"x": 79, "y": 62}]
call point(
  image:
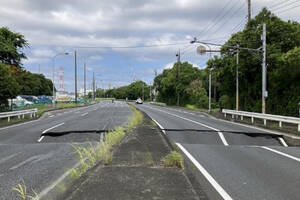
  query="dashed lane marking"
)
[{"x": 45, "y": 131}]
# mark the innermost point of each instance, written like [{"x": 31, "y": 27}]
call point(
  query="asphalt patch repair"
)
[{"x": 136, "y": 172}]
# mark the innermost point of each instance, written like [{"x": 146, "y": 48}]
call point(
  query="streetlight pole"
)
[
  {"x": 209, "y": 98},
  {"x": 75, "y": 62},
  {"x": 237, "y": 79},
  {"x": 178, "y": 72},
  {"x": 53, "y": 72}
]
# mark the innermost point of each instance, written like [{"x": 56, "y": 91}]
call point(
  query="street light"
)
[{"x": 53, "y": 71}]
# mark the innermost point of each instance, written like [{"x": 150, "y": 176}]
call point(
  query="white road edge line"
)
[
  {"x": 45, "y": 131},
  {"x": 281, "y": 153},
  {"x": 51, "y": 116},
  {"x": 50, "y": 187},
  {"x": 84, "y": 114},
  {"x": 160, "y": 126},
  {"x": 221, "y": 135},
  {"x": 283, "y": 142},
  {"x": 211, "y": 180}
]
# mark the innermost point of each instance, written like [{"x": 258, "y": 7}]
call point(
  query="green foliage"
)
[
  {"x": 13, "y": 79},
  {"x": 173, "y": 159},
  {"x": 197, "y": 94},
  {"x": 133, "y": 91},
  {"x": 9, "y": 86},
  {"x": 184, "y": 79},
  {"x": 283, "y": 72},
  {"x": 11, "y": 45}
]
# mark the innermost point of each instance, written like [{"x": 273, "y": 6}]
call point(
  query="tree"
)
[
  {"x": 197, "y": 94},
  {"x": 283, "y": 41},
  {"x": 11, "y": 45},
  {"x": 9, "y": 86}
]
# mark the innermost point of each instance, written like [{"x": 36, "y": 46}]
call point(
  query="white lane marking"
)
[
  {"x": 283, "y": 142},
  {"x": 45, "y": 131},
  {"x": 101, "y": 137},
  {"x": 60, "y": 179},
  {"x": 281, "y": 153},
  {"x": 23, "y": 162},
  {"x": 160, "y": 126},
  {"x": 217, "y": 130},
  {"x": 211, "y": 180},
  {"x": 51, "y": 116},
  {"x": 77, "y": 112},
  {"x": 7, "y": 158},
  {"x": 84, "y": 114},
  {"x": 12, "y": 126}
]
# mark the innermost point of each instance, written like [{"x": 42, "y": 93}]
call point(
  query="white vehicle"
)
[
  {"x": 139, "y": 101},
  {"x": 19, "y": 102}
]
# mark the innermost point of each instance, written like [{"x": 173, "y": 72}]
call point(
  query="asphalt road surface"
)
[
  {"x": 41, "y": 161},
  {"x": 234, "y": 161}
]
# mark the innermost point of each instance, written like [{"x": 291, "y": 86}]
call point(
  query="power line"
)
[
  {"x": 284, "y": 6},
  {"x": 282, "y": 11},
  {"x": 221, "y": 18},
  {"x": 213, "y": 21},
  {"x": 278, "y": 4},
  {"x": 234, "y": 13},
  {"x": 126, "y": 47}
]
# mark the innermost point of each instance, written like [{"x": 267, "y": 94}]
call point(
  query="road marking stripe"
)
[
  {"x": 60, "y": 179},
  {"x": 51, "y": 116},
  {"x": 16, "y": 125},
  {"x": 84, "y": 114},
  {"x": 45, "y": 131},
  {"x": 283, "y": 142},
  {"x": 281, "y": 153},
  {"x": 77, "y": 112},
  {"x": 221, "y": 135},
  {"x": 211, "y": 180},
  {"x": 160, "y": 126}
]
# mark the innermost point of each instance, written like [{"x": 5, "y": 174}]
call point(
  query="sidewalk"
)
[{"x": 136, "y": 172}]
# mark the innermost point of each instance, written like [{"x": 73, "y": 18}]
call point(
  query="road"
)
[
  {"x": 234, "y": 161},
  {"x": 40, "y": 161}
]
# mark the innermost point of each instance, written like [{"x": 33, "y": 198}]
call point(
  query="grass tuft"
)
[
  {"x": 22, "y": 192},
  {"x": 173, "y": 159},
  {"x": 149, "y": 159}
]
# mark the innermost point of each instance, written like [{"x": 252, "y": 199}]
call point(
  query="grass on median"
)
[
  {"x": 21, "y": 190},
  {"x": 173, "y": 159},
  {"x": 91, "y": 154}
]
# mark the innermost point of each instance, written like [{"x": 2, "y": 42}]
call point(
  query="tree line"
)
[
  {"x": 185, "y": 84},
  {"x": 137, "y": 89},
  {"x": 14, "y": 79}
]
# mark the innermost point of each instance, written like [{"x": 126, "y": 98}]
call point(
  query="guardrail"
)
[
  {"x": 265, "y": 117},
  {"x": 158, "y": 103},
  {"x": 19, "y": 113}
]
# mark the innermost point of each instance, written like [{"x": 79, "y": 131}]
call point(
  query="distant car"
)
[
  {"x": 30, "y": 98},
  {"x": 139, "y": 101},
  {"x": 20, "y": 102}
]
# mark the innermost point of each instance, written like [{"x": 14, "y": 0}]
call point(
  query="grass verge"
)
[{"x": 173, "y": 159}]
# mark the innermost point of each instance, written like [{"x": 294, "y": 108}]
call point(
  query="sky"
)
[{"x": 161, "y": 28}]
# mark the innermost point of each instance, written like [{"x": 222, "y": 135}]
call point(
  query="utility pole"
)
[
  {"x": 94, "y": 86},
  {"x": 264, "y": 78},
  {"x": 75, "y": 76},
  {"x": 84, "y": 79},
  {"x": 237, "y": 79},
  {"x": 178, "y": 72},
  {"x": 249, "y": 10},
  {"x": 209, "y": 91}
]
